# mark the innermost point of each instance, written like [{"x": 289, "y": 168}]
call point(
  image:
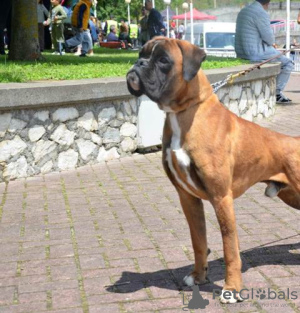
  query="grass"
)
[{"x": 104, "y": 63}]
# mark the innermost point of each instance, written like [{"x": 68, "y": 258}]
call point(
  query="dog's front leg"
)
[
  {"x": 194, "y": 213},
  {"x": 233, "y": 281}
]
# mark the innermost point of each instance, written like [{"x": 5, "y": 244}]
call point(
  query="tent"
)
[
  {"x": 197, "y": 15},
  {"x": 171, "y": 13}
]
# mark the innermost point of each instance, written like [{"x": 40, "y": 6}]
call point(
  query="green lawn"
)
[{"x": 105, "y": 63}]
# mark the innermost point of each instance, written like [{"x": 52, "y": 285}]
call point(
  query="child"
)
[{"x": 56, "y": 16}]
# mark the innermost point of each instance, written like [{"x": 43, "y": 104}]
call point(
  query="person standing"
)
[
  {"x": 55, "y": 19},
  {"x": 133, "y": 34},
  {"x": 155, "y": 25},
  {"x": 80, "y": 22},
  {"x": 255, "y": 41},
  {"x": 180, "y": 31},
  {"x": 42, "y": 15},
  {"x": 143, "y": 35}
]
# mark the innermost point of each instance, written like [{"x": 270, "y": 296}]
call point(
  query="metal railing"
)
[
  {"x": 281, "y": 27},
  {"x": 296, "y": 58}
]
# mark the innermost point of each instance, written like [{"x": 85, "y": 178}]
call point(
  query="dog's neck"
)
[{"x": 191, "y": 94}]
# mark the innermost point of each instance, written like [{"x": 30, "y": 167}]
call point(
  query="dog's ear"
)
[{"x": 192, "y": 58}]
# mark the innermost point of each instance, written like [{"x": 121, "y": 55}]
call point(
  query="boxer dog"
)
[{"x": 210, "y": 153}]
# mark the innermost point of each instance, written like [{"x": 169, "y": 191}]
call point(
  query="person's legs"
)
[
  {"x": 287, "y": 66},
  {"x": 87, "y": 43},
  {"x": 54, "y": 38},
  {"x": 76, "y": 40}
]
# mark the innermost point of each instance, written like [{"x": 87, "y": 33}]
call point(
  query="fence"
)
[{"x": 296, "y": 58}]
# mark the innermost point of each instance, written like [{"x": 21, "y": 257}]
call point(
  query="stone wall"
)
[
  {"x": 39, "y": 141},
  {"x": 250, "y": 100},
  {"x": 57, "y": 126}
]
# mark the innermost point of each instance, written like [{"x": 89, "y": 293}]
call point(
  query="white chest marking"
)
[{"x": 181, "y": 156}]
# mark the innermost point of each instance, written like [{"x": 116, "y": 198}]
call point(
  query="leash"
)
[{"x": 231, "y": 77}]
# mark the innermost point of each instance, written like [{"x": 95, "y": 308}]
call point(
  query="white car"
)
[{"x": 215, "y": 38}]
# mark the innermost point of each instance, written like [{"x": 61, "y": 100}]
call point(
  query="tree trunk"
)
[{"x": 24, "y": 44}]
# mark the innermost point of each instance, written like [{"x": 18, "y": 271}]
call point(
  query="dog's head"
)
[{"x": 164, "y": 70}]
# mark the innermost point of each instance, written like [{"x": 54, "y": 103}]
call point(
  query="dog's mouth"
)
[{"x": 133, "y": 82}]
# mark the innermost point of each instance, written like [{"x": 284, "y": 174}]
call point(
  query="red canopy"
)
[{"x": 197, "y": 15}]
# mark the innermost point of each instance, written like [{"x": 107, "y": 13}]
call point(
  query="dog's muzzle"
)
[{"x": 133, "y": 80}]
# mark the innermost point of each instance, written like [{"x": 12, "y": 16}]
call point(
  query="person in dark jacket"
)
[{"x": 155, "y": 24}]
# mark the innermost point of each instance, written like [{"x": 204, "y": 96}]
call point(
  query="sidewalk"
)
[{"x": 112, "y": 238}]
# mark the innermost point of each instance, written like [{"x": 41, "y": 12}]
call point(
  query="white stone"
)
[
  {"x": 120, "y": 116},
  {"x": 43, "y": 148},
  {"x": 249, "y": 96},
  {"x": 67, "y": 160},
  {"x": 234, "y": 107},
  {"x": 254, "y": 109},
  {"x": 16, "y": 124},
  {"x": 257, "y": 87},
  {"x": 47, "y": 167},
  {"x": 42, "y": 115},
  {"x": 243, "y": 102},
  {"x": 222, "y": 92},
  {"x": 65, "y": 114},
  {"x": 4, "y": 123},
  {"x": 16, "y": 169},
  {"x": 128, "y": 130},
  {"x": 85, "y": 147},
  {"x": 112, "y": 135},
  {"x": 261, "y": 106},
  {"x": 36, "y": 132},
  {"x": 106, "y": 115},
  {"x": 226, "y": 101},
  {"x": 10, "y": 148},
  {"x": 235, "y": 92},
  {"x": 88, "y": 122},
  {"x": 104, "y": 155},
  {"x": 133, "y": 104},
  {"x": 259, "y": 117},
  {"x": 63, "y": 136},
  {"x": 267, "y": 92},
  {"x": 128, "y": 145},
  {"x": 127, "y": 108},
  {"x": 248, "y": 116},
  {"x": 96, "y": 139}
]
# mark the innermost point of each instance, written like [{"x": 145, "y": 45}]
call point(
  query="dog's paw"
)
[
  {"x": 194, "y": 279},
  {"x": 228, "y": 296}
]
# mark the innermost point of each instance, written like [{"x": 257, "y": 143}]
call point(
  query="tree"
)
[{"x": 24, "y": 44}]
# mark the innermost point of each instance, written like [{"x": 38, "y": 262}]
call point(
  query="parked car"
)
[{"x": 215, "y": 38}]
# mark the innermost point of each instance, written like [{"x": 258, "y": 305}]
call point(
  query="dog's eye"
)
[{"x": 163, "y": 60}]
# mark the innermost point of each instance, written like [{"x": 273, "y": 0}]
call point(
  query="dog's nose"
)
[{"x": 142, "y": 62}]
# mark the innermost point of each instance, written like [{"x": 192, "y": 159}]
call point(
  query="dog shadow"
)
[{"x": 172, "y": 279}]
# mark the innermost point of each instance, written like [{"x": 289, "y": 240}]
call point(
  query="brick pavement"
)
[{"x": 112, "y": 238}]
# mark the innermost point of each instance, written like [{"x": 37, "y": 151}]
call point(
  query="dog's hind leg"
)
[
  {"x": 194, "y": 213},
  {"x": 290, "y": 197}
]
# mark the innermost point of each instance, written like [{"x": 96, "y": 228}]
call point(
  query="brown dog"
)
[{"x": 208, "y": 152}]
